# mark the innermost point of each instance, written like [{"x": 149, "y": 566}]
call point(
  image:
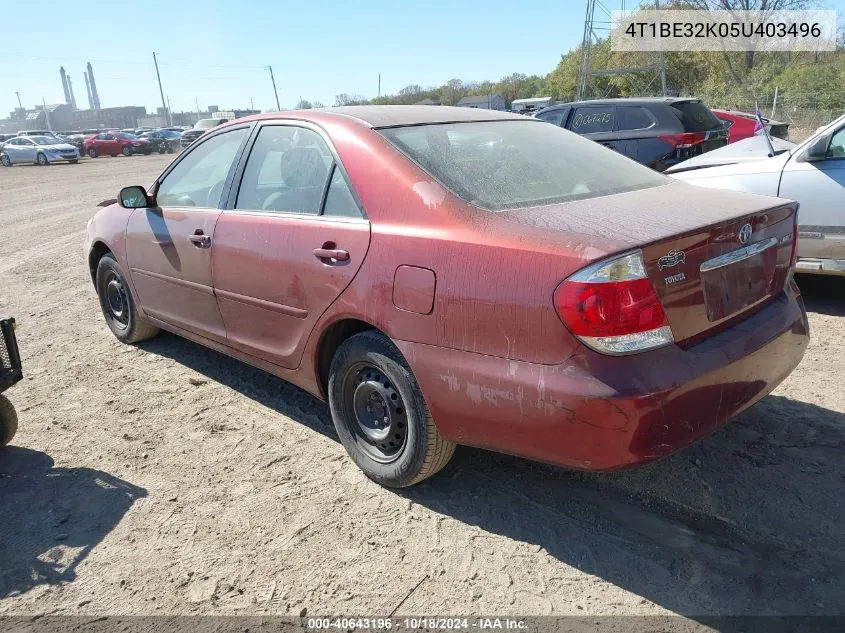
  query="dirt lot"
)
[{"x": 168, "y": 478}]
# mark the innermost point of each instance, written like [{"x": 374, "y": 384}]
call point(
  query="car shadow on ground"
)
[
  {"x": 51, "y": 518},
  {"x": 823, "y": 294},
  {"x": 747, "y": 521}
]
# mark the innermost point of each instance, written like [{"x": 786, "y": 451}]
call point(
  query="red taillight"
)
[
  {"x": 685, "y": 140},
  {"x": 613, "y": 308}
]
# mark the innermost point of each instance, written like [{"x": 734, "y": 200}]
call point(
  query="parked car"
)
[
  {"x": 657, "y": 132},
  {"x": 4, "y": 138},
  {"x": 163, "y": 141},
  {"x": 38, "y": 150},
  {"x": 740, "y": 125},
  {"x": 813, "y": 173},
  {"x": 450, "y": 275},
  {"x": 114, "y": 143},
  {"x": 200, "y": 127},
  {"x": 10, "y": 373}
]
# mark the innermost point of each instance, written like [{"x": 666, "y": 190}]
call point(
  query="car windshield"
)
[
  {"x": 44, "y": 140},
  {"x": 126, "y": 135},
  {"x": 509, "y": 164},
  {"x": 206, "y": 124}
]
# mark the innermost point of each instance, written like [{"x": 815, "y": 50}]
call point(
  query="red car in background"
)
[
  {"x": 450, "y": 276},
  {"x": 740, "y": 125},
  {"x": 114, "y": 143}
]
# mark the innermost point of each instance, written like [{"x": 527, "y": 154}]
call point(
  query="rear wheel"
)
[
  {"x": 92, "y": 152},
  {"x": 126, "y": 151},
  {"x": 117, "y": 304},
  {"x": 380, "y": 414},
  {"x": 41, "y": 159},
  {"x": 8, "y": 421},
  {"x": 5, "y": 160}
]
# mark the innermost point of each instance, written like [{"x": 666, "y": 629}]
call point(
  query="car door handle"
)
[
  {"x": 199, "y": 240},
  {"x": 328, "y": 252}
]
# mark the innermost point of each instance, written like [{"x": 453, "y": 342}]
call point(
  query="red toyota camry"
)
[{"x": 450, "y": 276}]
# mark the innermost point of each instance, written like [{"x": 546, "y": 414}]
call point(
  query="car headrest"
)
[{"x": 303, "y": 167}]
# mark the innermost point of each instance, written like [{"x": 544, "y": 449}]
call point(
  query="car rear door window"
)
[
  {"x": 592, "y": 119},
  {"x": 198, "y": 179},
  {"x": 339, "y": 199},
  {"x": 631, "y": 118},
  {"x": 286, "y": 172}
]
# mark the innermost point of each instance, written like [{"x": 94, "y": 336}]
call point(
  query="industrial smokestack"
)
[
  {"x": 94, "y": 95},
  {"x": 64, "y": 84},
  {"x": 88, "y": 90},
  {"x": 70, "y": 90}
]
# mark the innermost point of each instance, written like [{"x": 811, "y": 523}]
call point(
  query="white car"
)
[
  {"x": 812, "y": 173},
  {"x": 38, "y": 150}
]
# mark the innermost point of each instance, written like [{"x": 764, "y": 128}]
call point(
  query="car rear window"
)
[
  {"x": 510, "y": 164},
  {"x": 695, "y": 116}
]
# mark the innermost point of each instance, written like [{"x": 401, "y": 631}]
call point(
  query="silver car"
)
[
  {"x": 812, "y": 173},
  {"x": 38, "y": 150}
]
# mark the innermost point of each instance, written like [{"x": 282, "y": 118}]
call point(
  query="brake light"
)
[
  {"x": 612, "y": 307},
  {"x": 685, "y": 140}
]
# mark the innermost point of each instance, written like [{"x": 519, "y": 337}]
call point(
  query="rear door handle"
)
[
  {"x": 328, "y": 252},
  {"x": 200, "y": 240}
]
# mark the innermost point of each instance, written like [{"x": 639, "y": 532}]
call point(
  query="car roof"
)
[
  {"x": 622, "y": 101},
  {"x": 391, "y": 115}
]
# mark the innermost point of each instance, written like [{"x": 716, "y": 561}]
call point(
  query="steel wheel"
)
[
  {"x": 380, "y": 424},
  {"x": 117, "y": 300}
]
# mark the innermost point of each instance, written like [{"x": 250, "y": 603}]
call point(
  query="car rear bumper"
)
[{"x": 598, "y": 412}]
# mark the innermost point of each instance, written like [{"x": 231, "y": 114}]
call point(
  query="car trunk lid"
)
[{"x": 705, "y": 275}]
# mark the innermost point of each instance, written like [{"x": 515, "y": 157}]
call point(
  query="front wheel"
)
[
  {"x": 117, "y": 304},
  {"x": 126, "y": 151},
  {"x": 92, "y": 152},
  {"x": 8, "y": 421},
  {"x": 380, "y": 414},
  {"x": 41, "y": 159},
  {"x": 5, "y": 160}
]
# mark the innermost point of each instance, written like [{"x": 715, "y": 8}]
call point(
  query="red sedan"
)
[
  {"x": 114, "y": 143},
  {"x": 450, "y": 276},
  {"x": 741, "y": 125}
]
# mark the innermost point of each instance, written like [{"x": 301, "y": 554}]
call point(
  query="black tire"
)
[
  {"x": 5, "y": 160},
  {"x": 41, "y": 159},
  {"x": 93, "y": 152},
  {"x": 118, "y": 305},
  {"x": 395, "y": 443},
  {"x": 126, "y": 151},
  {"x": 8, "y": 421}
]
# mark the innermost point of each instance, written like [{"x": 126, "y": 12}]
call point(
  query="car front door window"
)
[
  {"x": 837, "y": 145},
  {"x": 197, "y": 180}
]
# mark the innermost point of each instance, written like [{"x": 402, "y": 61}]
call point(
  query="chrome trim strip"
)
[{"x": 738, "y": 255}]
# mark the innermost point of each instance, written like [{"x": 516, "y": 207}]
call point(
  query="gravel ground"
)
[{"x": 167, "y": 478}]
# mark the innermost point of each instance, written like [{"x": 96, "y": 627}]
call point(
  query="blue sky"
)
[{"x": 216, "y": 52}]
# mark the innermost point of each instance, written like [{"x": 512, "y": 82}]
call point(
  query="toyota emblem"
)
[{"x": 745, "y": 233}]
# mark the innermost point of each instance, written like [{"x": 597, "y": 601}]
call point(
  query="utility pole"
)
[
  {"x": 197, "y": 100},
  {"x": 379, "y": 84},
  {"x": 251, "y": 104},
  {"x": 161, "y": 91},
  {"x": 169, "y": 111},
  {"x": 20, "y": 105},
  {"x": 275, "y": 92},
  {"x": 662, "y": 60},
  {"x": 46, "y": 114}
]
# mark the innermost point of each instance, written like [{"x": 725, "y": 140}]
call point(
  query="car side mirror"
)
[
  {"x": 134, "y": 197},
  {"x": 817, "y": 149}
]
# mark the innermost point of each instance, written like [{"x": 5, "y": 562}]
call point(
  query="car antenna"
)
[{"x": 759, "y": 118}]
